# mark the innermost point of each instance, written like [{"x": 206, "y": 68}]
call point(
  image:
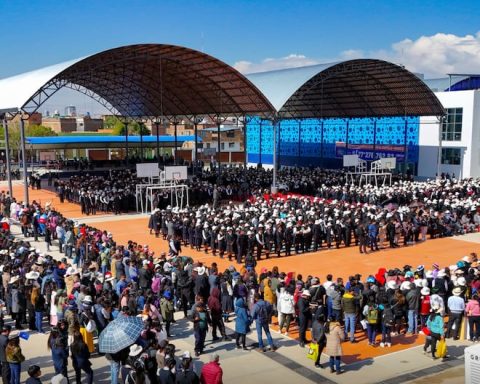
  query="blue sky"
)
[{"x": 36, "y": 33}]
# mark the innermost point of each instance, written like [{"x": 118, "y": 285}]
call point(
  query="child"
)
[{"x": 34, "y": 372}]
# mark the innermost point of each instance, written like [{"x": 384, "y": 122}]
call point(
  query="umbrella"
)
[{"x": 120, "y": 333}]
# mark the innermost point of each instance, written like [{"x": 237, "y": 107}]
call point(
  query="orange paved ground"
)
[{"x": 342, "y": 262}]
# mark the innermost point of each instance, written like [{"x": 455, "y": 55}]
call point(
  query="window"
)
[
  {"x": 452, "y": 125},
  {"x": 222, "y": 146},
  {"x": 451, "y": 156},
  {"x": 231, "y": 133},
  {"x": 231, "y": 145}
]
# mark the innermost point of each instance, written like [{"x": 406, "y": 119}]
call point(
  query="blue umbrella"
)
[{"x": 120, "y": 333}]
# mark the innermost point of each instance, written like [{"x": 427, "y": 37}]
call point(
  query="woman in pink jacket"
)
[{"x": 472, "y": 310}]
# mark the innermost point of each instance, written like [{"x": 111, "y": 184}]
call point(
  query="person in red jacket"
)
[
  {"x": 212, "y": 372},
  {"x": 424, "y": 306}
]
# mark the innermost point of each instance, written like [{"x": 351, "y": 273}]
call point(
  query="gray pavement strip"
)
[
  {"x": 451, "y": 363},
  {"x": 286, "y": 362}
]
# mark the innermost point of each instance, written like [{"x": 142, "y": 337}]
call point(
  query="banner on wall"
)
[{"x": 367, "y": 152}]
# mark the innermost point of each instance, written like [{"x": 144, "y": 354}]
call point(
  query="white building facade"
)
[{"x": 455, "y": 140}]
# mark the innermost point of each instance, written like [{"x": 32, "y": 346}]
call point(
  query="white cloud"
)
[
  {"x": 434, "y": 56},
  {"x": 291, "y": 61}
]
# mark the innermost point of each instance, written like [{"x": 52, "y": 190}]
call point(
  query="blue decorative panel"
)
[
  {"x": 334, "y": 130},
  {"x": 301, "y": 141},
  {"x": 259, "y": 141},
  {"x": 311, "y": 137},
  {"x": 390, "y": 131},
  {"x": 253, "y": 136},
  {"x": 360, "y": 131},
  {"x": 289, "y": 138}
]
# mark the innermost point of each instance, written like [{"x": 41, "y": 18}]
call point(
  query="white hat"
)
[
  {"x": 13, "y": 279},
  {"x": 32, "y": 275},
  {"x": 135, "y": 350},
  {"x": 145, "y": 262},
  {"x": 457, "y": 291},
  {"x": 87, "y": 300},
  {"x": 59, "y": 379},
  {"x": 200, "y": 270},
  {"x": 391, "y": 284},
  {"x": 441, "y": 273},
  {"x": 306, "y": 292},
  {"x": 406, "y": 286},
  {"x": 425, "y": 291},
  {"x": 186, "y": 355},
  {"x": 461, "y": 281}
]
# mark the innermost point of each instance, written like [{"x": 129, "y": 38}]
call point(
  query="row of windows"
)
[{"x": 452, "y": 125}]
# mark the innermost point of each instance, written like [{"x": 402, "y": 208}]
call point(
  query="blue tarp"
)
[{"x": 105, "y": 139}]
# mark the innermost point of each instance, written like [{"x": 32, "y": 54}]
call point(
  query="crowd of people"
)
[
  {"x": 100, "y": 280},
  {"x": 112, "y": 191},
  {"x": 368, "y": 217}
]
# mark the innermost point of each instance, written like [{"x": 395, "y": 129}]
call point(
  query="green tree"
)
[
  {"x": 119, "y": 128},
  {"x": 30, "y": 131},
  {"x": 110, "y": 122},
  {"x": 39, "y": 131},
  {"x": 134, "y": 128}
]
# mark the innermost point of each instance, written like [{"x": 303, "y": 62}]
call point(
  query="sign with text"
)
[{"x": 369, "y": 153}]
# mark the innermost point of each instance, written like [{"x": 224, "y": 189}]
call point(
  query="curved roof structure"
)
[
  {"x": 147, "y": 80},
  {"x": 155, "y": 80},
  {"x": 354, "y": 88}
]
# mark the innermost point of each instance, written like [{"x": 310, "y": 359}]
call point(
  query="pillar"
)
[
  {"x": 7, "y": 157},
  {"x": 126, "y": 142},
  {"x": 175, "y": 123},
  {"x": 157, "y": 125},
  {"x": 24, "y": 161},
  {"x": 219, "y": 151}
]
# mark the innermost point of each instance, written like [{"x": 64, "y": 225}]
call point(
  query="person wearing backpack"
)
[
  {"x": 413, "y": 298},
  {"x": 201, "y": 319},
  {"x": 261, "y": 313},
  {"x": 436, "y": 326},
  {"x": 370, "y": 311},
  {"x": 388, "y": 321}
]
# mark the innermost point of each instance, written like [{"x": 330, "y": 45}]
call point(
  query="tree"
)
[
  {"x": 39, "y": 131},
  {"x": 30, "y": 131},
  {"x": 140, "y": 129},
  {"x": 110, "y": 122},
  {"x": 134, "y": 128}
]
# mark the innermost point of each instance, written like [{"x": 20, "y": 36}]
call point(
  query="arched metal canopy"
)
[
  {"x": 362, "y": 88},
  {"x": 153, "y": 80}
]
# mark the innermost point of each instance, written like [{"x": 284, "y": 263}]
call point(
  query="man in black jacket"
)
[
  {"x": 184, "y": 288},
  {"x": 144, "y": 276}
]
